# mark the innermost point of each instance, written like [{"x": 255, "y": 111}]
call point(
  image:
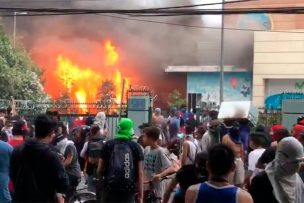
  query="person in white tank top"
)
[{"x": 190, "y": 148}]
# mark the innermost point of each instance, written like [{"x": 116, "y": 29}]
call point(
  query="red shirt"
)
[{"x": 14, "y": 142}]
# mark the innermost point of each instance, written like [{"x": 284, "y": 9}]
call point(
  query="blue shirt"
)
[
  {"x": 5, "y": 155},
  {"x": 211, "y": 194}
]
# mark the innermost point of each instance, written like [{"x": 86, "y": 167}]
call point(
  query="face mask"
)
[
  {"x": 285, "y": 166},
  {"x": 286, "y": 169}
]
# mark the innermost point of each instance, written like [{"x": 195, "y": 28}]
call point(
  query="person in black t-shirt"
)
[
  {"x": 122, "y": 193},
  {"x": 188, "y": 175},
  {"x": 37, "y": 173}
]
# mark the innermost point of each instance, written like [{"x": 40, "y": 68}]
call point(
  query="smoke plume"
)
[{"x": 146, "y": 48}]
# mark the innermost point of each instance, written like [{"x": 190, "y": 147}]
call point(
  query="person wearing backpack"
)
[
  {"x": 68, "y": 151},
  {"x": 121, "y": 167},
  {"x": 91, "y": 152}
]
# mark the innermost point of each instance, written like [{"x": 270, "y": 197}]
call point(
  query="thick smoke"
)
[{"x": 147, "y": 48}]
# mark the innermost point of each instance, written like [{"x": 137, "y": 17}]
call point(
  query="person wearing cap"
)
[
  {"x": 125, "y": 193},
  {"x": 280, "y": 182},
  {"x": 19, "y": 131}
]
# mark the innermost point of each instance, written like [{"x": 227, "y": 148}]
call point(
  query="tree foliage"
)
[
  {"x": 176, "y": 99},
  {"x": 19, "y": 76}
]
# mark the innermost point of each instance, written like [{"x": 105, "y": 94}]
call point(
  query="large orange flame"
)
[{"x": 83, "y": 83}]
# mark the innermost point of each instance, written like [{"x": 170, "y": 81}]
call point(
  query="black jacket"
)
[{"x": 37, "y": 173}]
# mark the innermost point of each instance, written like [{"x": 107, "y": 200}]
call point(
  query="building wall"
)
[
  {"x": 237, "y": 86},
  {"x": 277, "y": 55},
  {"x": 279, "y": 21}
]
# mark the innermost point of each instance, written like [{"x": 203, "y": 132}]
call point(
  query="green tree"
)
[
  {"x": 19, "y": 76},
  {"x": 106, "y": 94},
  {"x": 176, "y": 99}
]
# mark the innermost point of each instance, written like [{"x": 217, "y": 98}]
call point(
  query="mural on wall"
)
[
  {"x": 237, "y": 86},
  {"x": 260, "y": 21}
]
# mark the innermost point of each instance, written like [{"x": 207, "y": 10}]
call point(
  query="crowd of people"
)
[{"x": 172, "y": 159}]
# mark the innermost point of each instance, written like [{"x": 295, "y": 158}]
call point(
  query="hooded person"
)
[
  {"x": 298, "y": 128},
  {"x": 125, "y": 129},
  {"x": 278, "y": 132},
  {"x": 281, "y": 182},
  {"x": 100, "y": 120},
  {"x": 120, "y": 166}
]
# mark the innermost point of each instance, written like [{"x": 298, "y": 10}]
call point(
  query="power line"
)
[
  {"x": 286, "y": 10},
  {"x": 197, "y": 5},
  {"x": 196, "y": 26},
  {"x": 153, "y": 13},
  {"x": 159, "y": 8}
]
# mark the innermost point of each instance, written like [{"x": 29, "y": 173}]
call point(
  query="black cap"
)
[{"x": 19, "y": 128}]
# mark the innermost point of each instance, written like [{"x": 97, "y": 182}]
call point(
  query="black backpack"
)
[
  {"x": 94, "y": 149},
  {"x": 121, "y": 175}
]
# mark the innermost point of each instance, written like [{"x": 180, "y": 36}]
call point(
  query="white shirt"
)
[
  {"x": 193, "y": 150},
  {"x": 254, "y": 157}
]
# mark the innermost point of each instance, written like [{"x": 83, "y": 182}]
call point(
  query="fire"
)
[
  {"x": 111, "y": 54},
  {"x": 83, "y": 83}
]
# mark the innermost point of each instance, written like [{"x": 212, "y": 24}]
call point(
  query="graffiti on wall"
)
[
  {"x": 278, "y": 90},
  {"x": 237, "y": 85}
]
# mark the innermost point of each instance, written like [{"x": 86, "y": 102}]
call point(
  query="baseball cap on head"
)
[{"x": 19, "y": 128}]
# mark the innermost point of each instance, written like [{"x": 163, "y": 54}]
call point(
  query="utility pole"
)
[
  {"x": 14, "y": 31},
  {"x": 15, "y": 26},
  {"x": 222, "y": 56}
]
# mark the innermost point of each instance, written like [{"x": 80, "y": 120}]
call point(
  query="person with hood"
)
[
  {"x": 100, "y": 120},
  {"x": 277, "y": 133},
  {"x": 69, "y": 155},
  {"x": 233, "y": 141},
  {"x": 298, "y": 128},
  {"x": 121, "y": 166},
  {"x": 211, "y": 137},
  {"x": 36, "y": 171},
  {"x": 280, "y": 182}
]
